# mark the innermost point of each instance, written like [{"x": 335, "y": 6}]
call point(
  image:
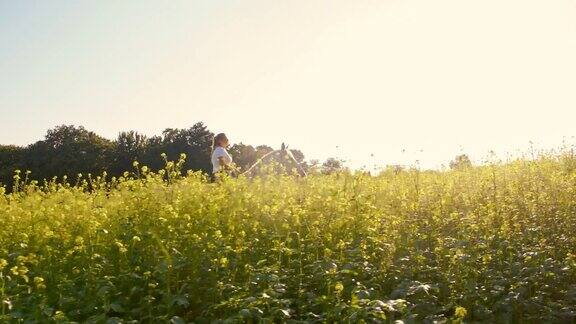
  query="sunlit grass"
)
[{"x": 491, "y": 243}]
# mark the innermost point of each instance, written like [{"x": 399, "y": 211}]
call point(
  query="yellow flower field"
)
[{"x": 495, "y": 243}]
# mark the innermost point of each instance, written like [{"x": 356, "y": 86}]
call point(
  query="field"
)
[{"x": 495, "y": 243}]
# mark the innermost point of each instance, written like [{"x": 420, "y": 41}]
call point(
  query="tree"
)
[
  {"x": 313, "y": 166},
  {"x": 262, "y": 150},
  {"x": 10, "y": 160},
  {"x": 244, "y": 155},
  {"x": 461, "y": 161},
  {"x": 68, "y": 150},
  {"x": 128, "y": 147},
  {"x": 394, "y": 168},
  {"x": 195, "y": 142},
  {"x": 332, "y": 165},
  {"x": 153, "y": 153}
]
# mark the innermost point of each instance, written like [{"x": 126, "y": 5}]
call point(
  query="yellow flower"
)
[
  {"x": 19, "y": 270},
  {"x": 121, "y": 247},
  {"x": 39, "y": 282},
  {"x": 339, "y": 287},
  {"x": 460, "y": 312},
  {"x": 3, "y": 264},
  {"x": 224, "y": 262},
  {"x": 59, "y": 315},
  {"x": 79, "y": 240}
]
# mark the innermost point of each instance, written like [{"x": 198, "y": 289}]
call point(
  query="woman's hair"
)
[{"x": 217, "y": 139}]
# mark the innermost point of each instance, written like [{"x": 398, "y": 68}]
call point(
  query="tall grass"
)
[{"x": 495, "y": 243}]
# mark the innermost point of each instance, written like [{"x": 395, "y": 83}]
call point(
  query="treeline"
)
[{"x": 71, "y": 150}]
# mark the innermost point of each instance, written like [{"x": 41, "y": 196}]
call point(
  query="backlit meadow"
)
[{"x": 494, "y": 243}]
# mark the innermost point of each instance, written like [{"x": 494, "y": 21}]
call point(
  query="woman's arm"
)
[{"x": 222, "y": 162}]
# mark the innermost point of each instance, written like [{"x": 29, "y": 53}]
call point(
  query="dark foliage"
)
[{"x": 70, "y": 150}]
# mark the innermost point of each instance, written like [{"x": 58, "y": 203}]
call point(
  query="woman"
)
[{"x": 221, "y": 160}]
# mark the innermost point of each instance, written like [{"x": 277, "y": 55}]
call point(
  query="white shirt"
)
[{"x": 217, "y": 153}]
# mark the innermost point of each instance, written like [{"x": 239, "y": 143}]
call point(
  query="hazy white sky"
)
[{"x": 350, "y": 78}]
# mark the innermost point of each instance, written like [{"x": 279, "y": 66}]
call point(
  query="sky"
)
[{"x": 373, "y": 82}]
